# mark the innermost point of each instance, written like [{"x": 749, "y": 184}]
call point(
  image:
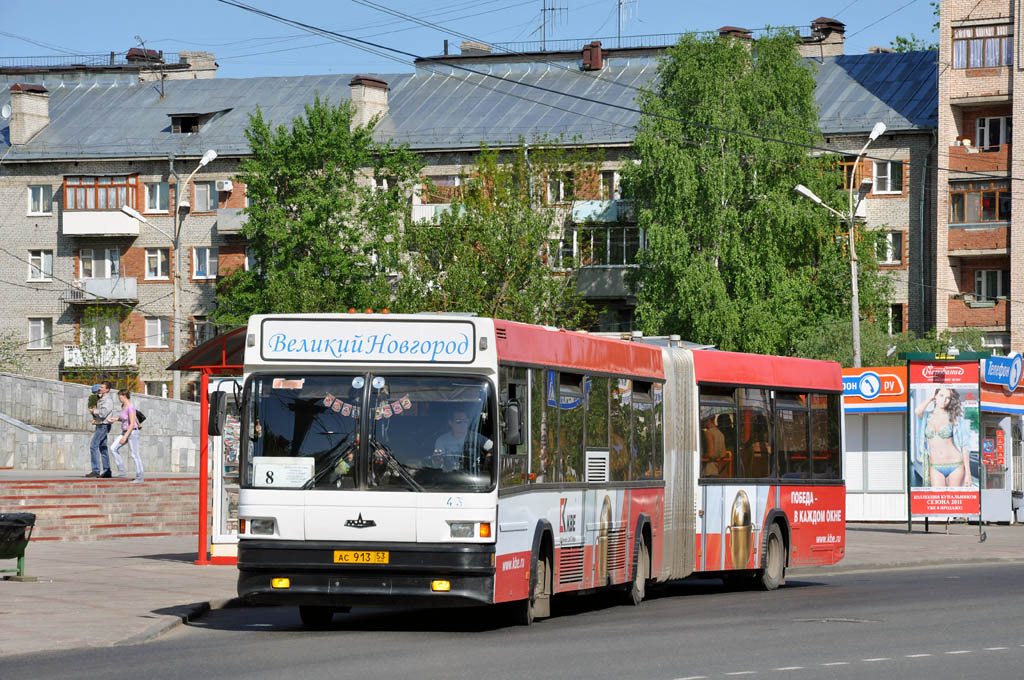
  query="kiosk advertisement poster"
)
[{"x": 944, "y": 442}]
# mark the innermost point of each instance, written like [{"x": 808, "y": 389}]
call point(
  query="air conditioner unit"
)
[
  {"x": 861, "y": 210},
  {"x": 223, "y": 185}
]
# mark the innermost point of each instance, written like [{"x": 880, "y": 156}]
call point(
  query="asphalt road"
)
[{"x": 925, "y": 623}]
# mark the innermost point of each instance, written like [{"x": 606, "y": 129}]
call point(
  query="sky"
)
[{"x": 247, "y": 45}]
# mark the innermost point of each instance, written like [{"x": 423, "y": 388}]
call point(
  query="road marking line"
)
[
  {"x": 837, "y": 663},
  {"x": 694, "y": 677},
  {"x": 995, "y": 649},
  {"x": 742, "y": 673},
  {"x": 879, "y": 658},
  {"x": 960, "y": 651},
  {"x": 789, "y": 668},
  {"x": 917, "y": 656}
]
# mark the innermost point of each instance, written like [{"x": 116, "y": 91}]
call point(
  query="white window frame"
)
[
  {"x": 158, "y": 332},
  {"x": 105, "y": 332},
  {"x": 887, "y": 176},
  {"x": 40, "y": 265},
  {"x": 40, "y": 199},
  {"x": 616, "y": 192},
  {"x": 209, "y": 195},
  {"x": 559, "y": 183},
  {"x": 158, "y": 388},
  {"x": 202, "y": 330},
  {"x": 210, "y": 257},
  {"x": 157, "y": 194},
  {"x": 903, "y": 323},
  {"x": 984, "y": 127},
  {"x": 163, "y": 265},
  {"x": 983, "y": 282},
  {"x": 890, "y": 250},
  {"x": 40, "y": 333},
  {"x": 103, "y": 263}
]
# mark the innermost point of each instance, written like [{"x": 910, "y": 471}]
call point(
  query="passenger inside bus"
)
[{"x": 460, "y": 449}]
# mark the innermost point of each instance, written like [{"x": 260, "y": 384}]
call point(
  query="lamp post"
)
[
  {"x": 175, "y": 240},
  {"x": 862, "y": 190}
]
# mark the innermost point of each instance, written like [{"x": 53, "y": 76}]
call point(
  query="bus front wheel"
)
[
  {"x": 538, "y": 604},
  {"x": 774, "y": 573}
]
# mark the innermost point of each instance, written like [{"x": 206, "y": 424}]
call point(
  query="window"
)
[
  {"x": 156, "y": 263},
  {"x": 40, "y": 265},
  {"x": 560, "y": 187},
  {"x": 99, "y": 263},
  {"x": 204, "y": 263},
  {"x": 185, "y": 125},
  {"x": 993, "y": 131},
  {"x": 158, "y": 331},
  {"x": 103, "y": 331},
  {"x": 157, "y": 197},
  {"x": 977, "y": 202},
  {"x": 847, "y": 166},
  {"x": 158, "y": 388},
  {"x": 99, "y": 193},
  {"x": 983, "y": 46},
  {"x": 596, "y": 246},
  {"x": 202, "y": 330},
  {"x": 250, "y": 259},
  {"x": 890, "y": 250},
  {"x": 718, "y": 440},
  {"x": 39, "y": 332},
  {"x": 990, "y": 284},
  {"x": 40, "y": 200},
  {"x": 610, "y": 185},
  {"x": 888, "y": 177},
  {"x": 895, "y": 319},
  {"x": 440, "y": 189},
  {"x": 206, "y": 197}
]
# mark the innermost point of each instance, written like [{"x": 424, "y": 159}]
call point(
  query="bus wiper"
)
[
  {"x": 333, "y": 457},
  {"x": 394, "y": 465}
]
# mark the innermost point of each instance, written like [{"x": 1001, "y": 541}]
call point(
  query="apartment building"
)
[
  {"x": 90, "y": 287},
  {"x": 977, "y": 255}
]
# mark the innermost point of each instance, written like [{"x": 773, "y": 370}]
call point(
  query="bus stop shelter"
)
[{"x": 222, "y": 355}]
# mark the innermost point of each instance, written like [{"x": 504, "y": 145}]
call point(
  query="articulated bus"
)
[{"x": 444, "y": 460}]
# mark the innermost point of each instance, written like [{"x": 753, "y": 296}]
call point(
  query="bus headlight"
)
[
  {"x": 264, "y": 527},
  {"x": 462, "y": 529}
]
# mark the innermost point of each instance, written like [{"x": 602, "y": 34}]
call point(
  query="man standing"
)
[{"x": 103, "y": 409}]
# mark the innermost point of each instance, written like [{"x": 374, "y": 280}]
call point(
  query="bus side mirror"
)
[
  {"x": 513, "y": 430},
  {"x": 218, "y": 412}
]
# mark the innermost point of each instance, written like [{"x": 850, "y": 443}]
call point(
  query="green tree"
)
[
  {"x": 323, "y": 234},
  {"x": 879, "y": 347},
  {"x": 734, "y": 257},
  {"x": 11, "y": 358},
  {"x": 492, "y": 251}
]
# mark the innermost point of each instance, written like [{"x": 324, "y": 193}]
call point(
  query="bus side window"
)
[
  {"x": 826, "y": 459},
  {"x": 597, "y": 418},
  {"x": 539, "y": 427},
  {"x": 793, "y": 430},
  {"x": 620, "y": 443},
  {"x": 643, "y": 430},
  {"x": 757, "y": 455},
  {"x": 570, "y": 425},
  {"x": 718, "y": 440},
  {"x": 512, "y": 384}
]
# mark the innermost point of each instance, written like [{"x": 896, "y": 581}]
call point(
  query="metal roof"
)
[
  {"x": 440, "y": 106},
  {"x": 901, "y": 89}
]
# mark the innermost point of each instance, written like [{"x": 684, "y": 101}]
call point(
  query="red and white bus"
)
[{"x": 441, "y": 460}]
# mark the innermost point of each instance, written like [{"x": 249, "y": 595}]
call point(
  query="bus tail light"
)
[{"x": 485, "y": 529}]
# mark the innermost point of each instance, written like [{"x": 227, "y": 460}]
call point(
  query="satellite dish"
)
[{"x": 5, "y": 112}]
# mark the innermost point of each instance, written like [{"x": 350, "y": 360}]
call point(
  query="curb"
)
[
  {"x": 183, "y": 615},
  {"x": 892, "y": 566}
]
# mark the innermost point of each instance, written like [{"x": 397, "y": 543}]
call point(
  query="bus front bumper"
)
[{"x": 315, "y": 579}]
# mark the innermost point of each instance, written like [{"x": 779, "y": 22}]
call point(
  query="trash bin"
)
[{"x": 15, "y": 532}]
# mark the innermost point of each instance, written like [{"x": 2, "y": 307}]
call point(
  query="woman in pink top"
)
[{"x": 129, "y": 435}]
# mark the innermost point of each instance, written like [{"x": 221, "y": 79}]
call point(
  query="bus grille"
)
[
  {"x": 616, "y": 549},
  {"x": 570, "y": 564}
]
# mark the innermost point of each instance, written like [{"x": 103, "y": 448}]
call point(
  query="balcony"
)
[
  {"x": 979, "y": 160},
  {"x": 966, "y": 310},
  {"x": 102, "y": 291},
  {"x": 230, "y": 221},
  {"x": 111, "y": 355},
  {"x": 429, "y": 212},
  {"x": 616, "y": 211},
  {"x": 99, "y": 223}
]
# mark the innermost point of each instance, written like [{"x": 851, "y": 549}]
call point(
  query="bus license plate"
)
[{"x": 361, "y": 556}]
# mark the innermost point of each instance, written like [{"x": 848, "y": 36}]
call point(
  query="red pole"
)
[{"x": 204, "y": 463}]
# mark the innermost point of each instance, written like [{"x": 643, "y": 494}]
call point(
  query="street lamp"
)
[
  {"x": 175, "y": 242},
  {"x": 862, "y": 190}
]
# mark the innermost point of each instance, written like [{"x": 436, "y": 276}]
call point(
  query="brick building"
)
[
  {"x": 976, "y": 275},
  {"x": 90, "y": 288}
]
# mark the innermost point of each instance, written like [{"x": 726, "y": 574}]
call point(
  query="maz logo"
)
[{"x": 360, "y": 523}]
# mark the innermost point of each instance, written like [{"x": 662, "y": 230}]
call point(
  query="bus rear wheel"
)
[
  {"x": 774, "y": 573},
  {"x": 316, "y": 617},
  {"x": 638, "y": 588}
]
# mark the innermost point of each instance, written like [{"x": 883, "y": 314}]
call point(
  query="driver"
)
[{"x": 453, "y": 446}]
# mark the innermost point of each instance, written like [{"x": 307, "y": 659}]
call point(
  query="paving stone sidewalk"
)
[{"x": 124, "y": 591}]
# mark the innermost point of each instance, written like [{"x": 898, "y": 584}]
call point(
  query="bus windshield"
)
[{"x": 370, "y": 431}]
